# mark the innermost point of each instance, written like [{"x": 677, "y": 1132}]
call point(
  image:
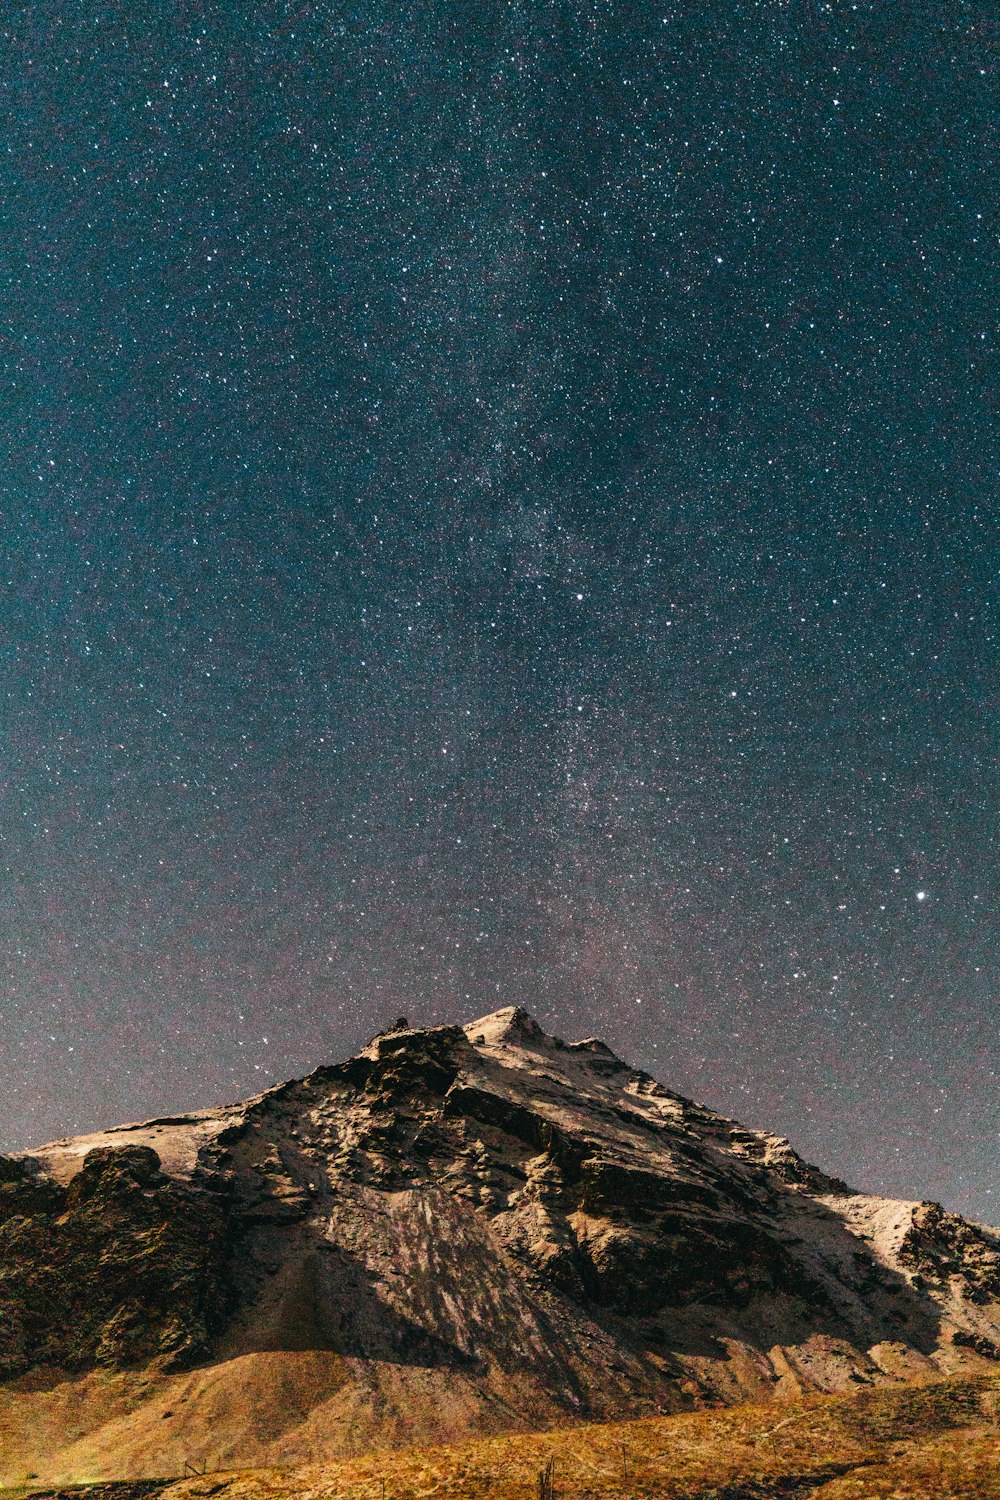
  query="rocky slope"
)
[{"x": 460, "y": 1230}]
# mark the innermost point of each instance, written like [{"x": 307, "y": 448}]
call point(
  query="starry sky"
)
[{"x": 499, "y": 507}]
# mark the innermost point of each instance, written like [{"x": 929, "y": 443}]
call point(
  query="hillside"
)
[{"x": 938, "y": 1441}]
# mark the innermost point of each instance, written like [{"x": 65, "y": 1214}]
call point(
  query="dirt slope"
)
[{"x": 934, "y": 1442}]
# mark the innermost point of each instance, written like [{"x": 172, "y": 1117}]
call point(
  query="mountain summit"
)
[{"x": 462, "y": 1229}]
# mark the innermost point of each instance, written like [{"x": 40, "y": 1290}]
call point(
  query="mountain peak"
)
[{"x": 511, "y": 1024}]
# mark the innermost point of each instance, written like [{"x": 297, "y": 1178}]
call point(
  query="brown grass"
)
[{"x": 935, "y": 1442}]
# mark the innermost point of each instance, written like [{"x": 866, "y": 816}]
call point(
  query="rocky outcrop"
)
[
  {"x": 465, "y": 1229},
  {"x": 121, "y": 1266},
  {"x": 947, "y": 1252}
]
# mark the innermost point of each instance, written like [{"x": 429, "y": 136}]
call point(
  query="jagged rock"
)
[
  {"x": 120, "y": 1265},
  {"x": 940, "y": 1246},
  {"x": 471, "y": 1228}
]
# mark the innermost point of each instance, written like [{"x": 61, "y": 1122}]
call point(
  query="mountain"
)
[{"x": 462, "y": 1230}]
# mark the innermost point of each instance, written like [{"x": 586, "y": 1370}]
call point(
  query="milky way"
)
[{"x": 499, "y": 507}]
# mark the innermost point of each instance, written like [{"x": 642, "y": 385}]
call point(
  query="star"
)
[{"x": 369, "y": 352}]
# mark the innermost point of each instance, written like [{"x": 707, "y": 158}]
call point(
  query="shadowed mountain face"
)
[{"x": 460, "y": 1230}]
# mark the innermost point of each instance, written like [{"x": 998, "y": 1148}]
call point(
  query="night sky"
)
[{"x": 499, "y": 507}]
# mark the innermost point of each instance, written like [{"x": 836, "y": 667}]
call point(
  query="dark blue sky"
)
[{"x": 500, "y": 506}]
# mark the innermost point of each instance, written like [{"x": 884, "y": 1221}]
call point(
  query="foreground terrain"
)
[
  {"x": 940, "y": 1441},
  {"x": 462, "y": 1232}
]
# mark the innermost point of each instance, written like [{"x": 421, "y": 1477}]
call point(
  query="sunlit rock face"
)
[{"x": 461, "y": 1229}]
